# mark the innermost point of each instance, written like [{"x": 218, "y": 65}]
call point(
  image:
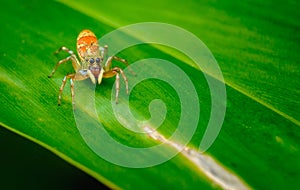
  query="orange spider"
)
[{"x": 91, "y": 64}]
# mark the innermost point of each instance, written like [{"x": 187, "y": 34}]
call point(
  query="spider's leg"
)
[
  {"x": 103, "y": 51},
  {"x": 72, "y": 57},
  {"x": 117, "y": 86},
  {"x": 108, "y": 63},
  {"x": 72, "y": 91},
  {"x": 73, "y": 77},
  {"x": 69, "y": 76},
  {"x": 124, "y": 77},
  {"x": 113, "y": 72},
  {"x": 57, "y": 64},
  {"x": 63, "y": 48}
]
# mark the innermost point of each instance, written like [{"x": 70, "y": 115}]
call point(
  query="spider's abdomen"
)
[{"x": 87, "y": 44}]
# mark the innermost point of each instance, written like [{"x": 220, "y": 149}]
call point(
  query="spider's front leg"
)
[
  {"x": 72, "y": 57},
  {"x": 73, "y": 77},
  {"x": 108, "y": 63},
  {"x": 113, "y": 72}
]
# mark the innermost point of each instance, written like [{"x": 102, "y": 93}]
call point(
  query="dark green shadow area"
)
[{"x": 25, "y": 165}]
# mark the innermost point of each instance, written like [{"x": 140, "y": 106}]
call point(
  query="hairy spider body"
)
[{"x": 93, "y": 63}]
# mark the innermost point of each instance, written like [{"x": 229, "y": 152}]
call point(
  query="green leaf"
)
[{"x": 255, "y": 44}]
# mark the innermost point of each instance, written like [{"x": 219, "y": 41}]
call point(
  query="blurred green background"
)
[{"x": 256, "y": 44}]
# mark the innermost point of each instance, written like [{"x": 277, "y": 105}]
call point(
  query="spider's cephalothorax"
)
[
  {"x": 89, "y": 53},
  {"x": 94, "y": 63}
]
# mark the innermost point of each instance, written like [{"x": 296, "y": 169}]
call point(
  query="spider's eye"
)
[
  {"x": 92, "y": 60},
  {"x": 87, "y": 60},
  {"x": 97, "y": 60}
]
